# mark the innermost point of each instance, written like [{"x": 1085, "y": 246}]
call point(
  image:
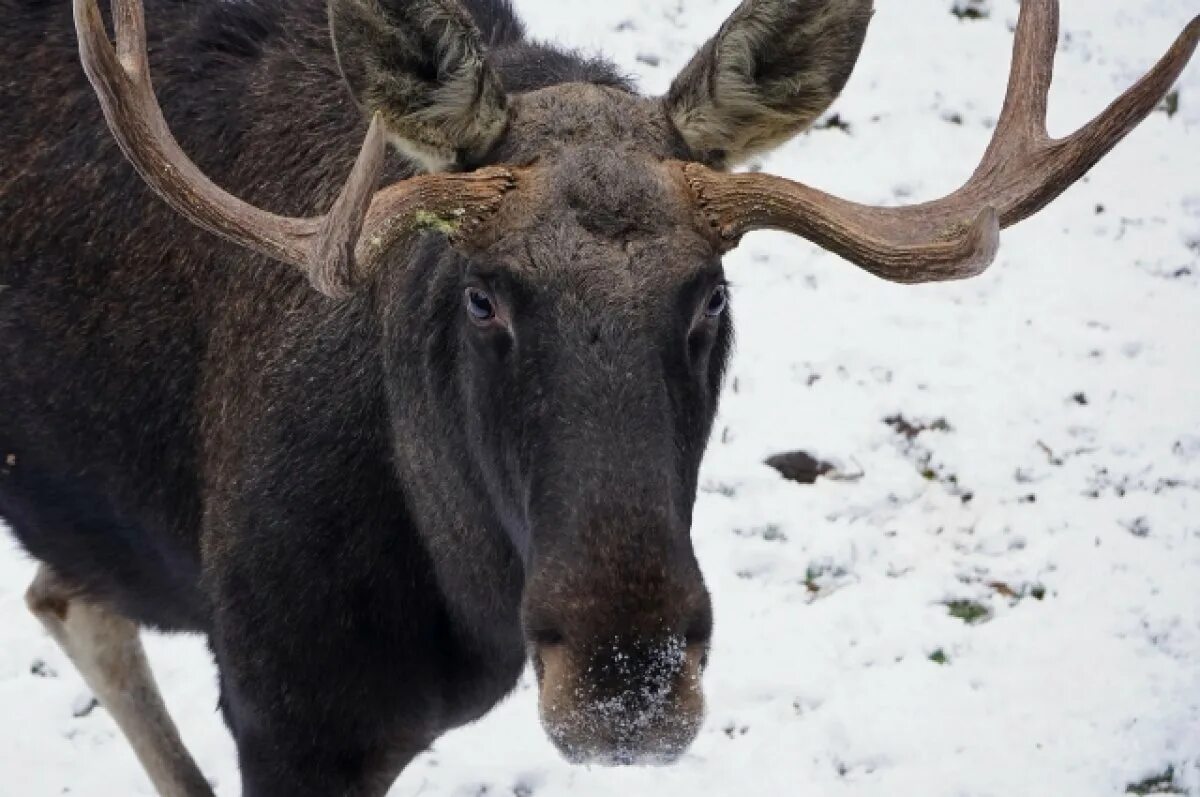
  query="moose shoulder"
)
[{"x": 384, "y": 428}]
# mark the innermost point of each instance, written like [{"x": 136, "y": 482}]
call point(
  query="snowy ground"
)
[{"x": 1055, "y": 488}]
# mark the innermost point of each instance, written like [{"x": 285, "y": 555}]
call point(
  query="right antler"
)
[
  {"x": 957, "y": 236},
  {"x": 336, "y": 250}
]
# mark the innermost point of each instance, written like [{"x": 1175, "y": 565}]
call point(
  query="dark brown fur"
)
[{"x": 375, "y": 509}]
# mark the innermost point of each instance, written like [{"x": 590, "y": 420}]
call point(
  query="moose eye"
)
[
  {"x": 479, "y": 305},
  {"x": 718, "y": 300}
]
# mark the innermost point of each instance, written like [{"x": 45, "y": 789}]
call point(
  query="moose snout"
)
[
  {"x": 624, "y": 703},
  {"x": 619, "y": 669}
]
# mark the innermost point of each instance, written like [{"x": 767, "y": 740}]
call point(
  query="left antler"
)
[{"x": 957, "y": 236}]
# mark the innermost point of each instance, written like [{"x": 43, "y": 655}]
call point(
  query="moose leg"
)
[
  {"x": 323, "y": 773},
  {"x": 322, "y": 706},
  {"x": 107, "y": 651},
  {"x": 284, "y": 754}
]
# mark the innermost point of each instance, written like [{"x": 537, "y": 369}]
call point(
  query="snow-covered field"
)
[{"x": 1006, "y": 601}]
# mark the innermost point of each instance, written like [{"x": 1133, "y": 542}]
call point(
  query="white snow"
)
[{"x": 831, "y": 599}]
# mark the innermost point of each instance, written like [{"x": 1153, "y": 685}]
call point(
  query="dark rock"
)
[{"x": 800, "y": 467}]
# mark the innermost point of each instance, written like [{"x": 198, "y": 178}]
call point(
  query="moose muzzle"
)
[{"x": 619, "y": 641}]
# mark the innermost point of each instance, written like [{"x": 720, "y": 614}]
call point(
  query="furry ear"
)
[
  {"x": 420, "y": 64},
  {"x": 770, "y": 71}
]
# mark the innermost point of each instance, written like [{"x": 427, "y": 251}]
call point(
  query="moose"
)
[{"x": 388, "y": 427}]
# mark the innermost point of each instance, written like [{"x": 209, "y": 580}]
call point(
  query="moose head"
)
[{"x": 569, "y": 242}]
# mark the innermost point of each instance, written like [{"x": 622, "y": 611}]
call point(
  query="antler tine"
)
[
  {"x": 330, "y": 250},
  {"x": 1022, "y": 119},
  {"x": 129, "y": 25},
  {"x": 955, "y": 237},
  {"x": 1130, "y": 108},
  {"x": 332, "y": 257},
  {"x": 121, "y": 78}
]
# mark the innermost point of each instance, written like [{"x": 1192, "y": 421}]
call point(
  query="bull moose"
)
[{"x": 384, "y": 456}]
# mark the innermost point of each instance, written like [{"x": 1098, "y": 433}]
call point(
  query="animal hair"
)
[
  {"x": 770, "y": 71},
  {"x": 497, "y": 20},
  {"x": 421, "y": 65}
]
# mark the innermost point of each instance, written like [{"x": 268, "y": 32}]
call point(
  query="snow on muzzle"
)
[{"x": 625, "y": 701}]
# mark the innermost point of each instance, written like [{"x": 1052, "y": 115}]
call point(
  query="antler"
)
[
  {"x": 957, "y": 236},
  {"x": 336, "y": 250}
]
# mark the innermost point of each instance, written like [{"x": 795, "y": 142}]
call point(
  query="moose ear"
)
[
  {"x": 420, "y": 65},
  {"x": 770, "y": 71}
]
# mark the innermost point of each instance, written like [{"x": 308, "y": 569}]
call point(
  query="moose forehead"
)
[
  {"x": 602, "y": 204},
  {"x": 546, "y": 122}
]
